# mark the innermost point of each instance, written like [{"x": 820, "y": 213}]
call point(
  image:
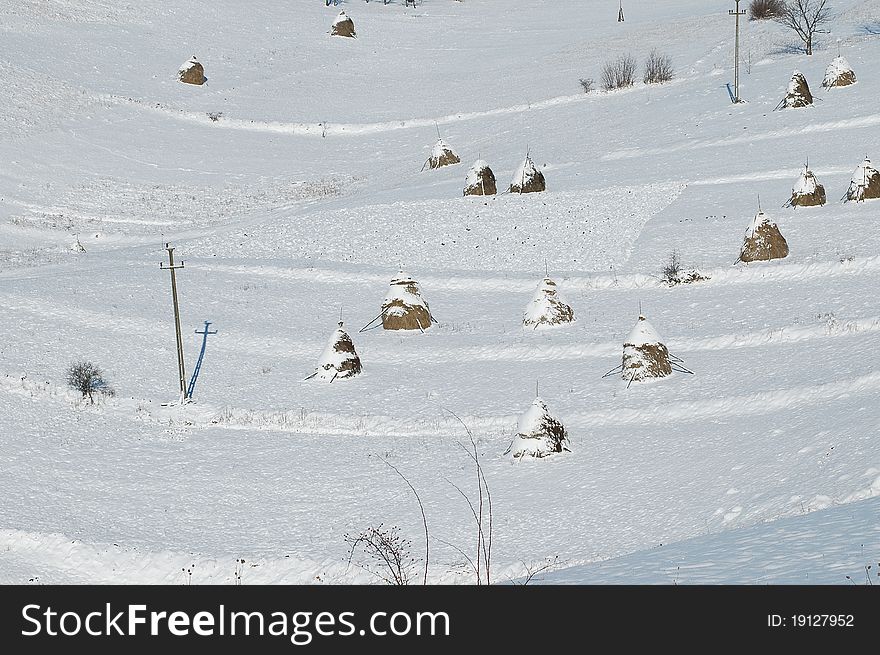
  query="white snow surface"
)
[{"x": 290, "y": 186}]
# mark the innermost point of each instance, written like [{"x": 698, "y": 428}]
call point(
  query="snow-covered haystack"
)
[
  {"x": 865, "y": 183},
  {"x": 807, "y": 192},
  {"x": 645, "y": 356},
  {"x": 839, "y": 73},
  {"x": 538, "y": 434},
  {"x": 403, "y": 307},
  {"x": 343, "y": 26},
  {"x": 763, "y": 241},
  {"x": 339, "y": 359},
  {"x": 547, "y": 307},
  {"x": 798, "y": 93},
  {"x": 192, "y": 72},
  {"x": 480, "y": 180},
  {"x": 442, "y": 155},
  {"x": 527, "y": 178}
]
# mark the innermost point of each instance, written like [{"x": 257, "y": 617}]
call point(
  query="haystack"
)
[
  {"x": 339, "y": 359},
  {"x": 442, "y": 155},
  {"x": 763, "y": 241},
  {"x": 807, "y": 192},
  {"x": 538, "y": 434},
  {"x": 798, "y": 93},
  {"x": 645, "y": 356},
  {"x": 192, "y": 72},
  {"x": 527, "y": 178},
  {"x": 480, "y": 180},
  {"x": 865, "y": 183},
  {"x": 343, "y": 26},
  {"x": 547, "y": 308},
  {"x": 839, "y": 73},
  {"x": 403, "y": 307}
]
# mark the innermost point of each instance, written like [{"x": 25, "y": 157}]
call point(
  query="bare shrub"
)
[
  {"x": 766, "y": 9},
  {"x": 675, "y": 273},
  {"x": 658, "y": 69},
  {"x": 587, "y": 84},
  {"x": 384, "y": 553},
  {"x": 619, "y": 74},
  {"x": 88, "y": 379}
]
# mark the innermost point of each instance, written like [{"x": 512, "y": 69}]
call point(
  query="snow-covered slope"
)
[{"x": 291, "y": 185}]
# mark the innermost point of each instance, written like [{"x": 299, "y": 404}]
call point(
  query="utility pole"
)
[
  {"x": 180, "y": 364},
  {"x": 620, "y": 17},
  {"x": 737, "y": 14}
]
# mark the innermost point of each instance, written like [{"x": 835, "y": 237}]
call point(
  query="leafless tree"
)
[
  {"x": 619, "y": 74},
  {"x": 385, "y": 552},
  {"x": 88, "y": 379},
  {"x": 807, "y": 18}
]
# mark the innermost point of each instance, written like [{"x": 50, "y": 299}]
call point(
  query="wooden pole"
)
[
  {"x": 737, "y": 14},
  {"x": 181, "y": 369}
]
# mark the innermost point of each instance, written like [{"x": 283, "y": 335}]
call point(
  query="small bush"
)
[
  {"x": 384, "y": 553},
  {"x": 88, "y": 379},
  {"x": 658, "y": 69},
  {"x": 619, "y": 74},
  {"x": 587, "y": 84},
  {"x": 766, "y": 9},
  {"x": 675, "y": 273}
]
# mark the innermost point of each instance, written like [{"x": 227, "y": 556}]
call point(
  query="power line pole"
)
[
  {"x": 180, "y": 363},
  {"x": 620, "y": 17},
  {"x": 737, "y": 14}
]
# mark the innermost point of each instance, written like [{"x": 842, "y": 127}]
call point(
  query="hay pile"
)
[
  {"x": 442, "y": 155},
  {"x": 798, "y": 93},
  {"x": 192, "y": 72},
  {"x": 644, "y": 354},
  {"x": 527, "y": 178},
  {"x": 343, "y": 26},
  {"x": 403, "y": 307},
  {"x": 547, "y": 308},
  {"x": 538, "y": 434},
  {"x": 763, "y": 241},
  {"x": 865, "y": 183},
  {"x": 480, "y": 180},
  {"x": 839, "y": 73},
  {"x": 339, "y": 360},
  {"x": 807, "y": 192}
]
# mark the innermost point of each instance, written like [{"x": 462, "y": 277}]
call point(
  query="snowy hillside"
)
[{"x": 294, "y": 186}]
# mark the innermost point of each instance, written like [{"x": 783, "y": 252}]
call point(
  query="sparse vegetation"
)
[
  {"x": 658, "y": 69},
  {"x": 807, "y": 18},
  {"x": 675, "y": 273},
  {"x": 766, "y": 9},
  {"x": 619, "y": 74},
  {"x": 587, "y": 84},
  {"x": 88, "y": 379},
  {"x": 384, "y": 553}
]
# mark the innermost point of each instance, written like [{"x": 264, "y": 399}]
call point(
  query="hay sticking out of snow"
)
[
  {"x": 403, "y": 307},
  {"x": 339, "y": 360},
  {"x": 442, "y": 155},
  {"x": 538, "y": 434},
  {"x": 839, "y": 73},
  {"x": 865, "y": 183},
  {"x": 798, "y": 93},
  {"x": 480, "y": 180},
  {"x": 547, "y": 307},
  {"x": 763, "y": 241},
  {"x": 645, "y": 355},
  {"x": 807, "y": 192},
  {"x": 527, "y": 178}
]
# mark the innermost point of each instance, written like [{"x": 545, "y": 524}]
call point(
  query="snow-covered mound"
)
[
  {"x": 865, "y": 183},
  {"x": 547, "y": 307},
  {"x": 645, "y": 356},
  {"x": 192, "y": 72},
  {"x": 343, "y": 25},
  {"x": 807, "y": 192},
  {"x": 339, "y": 360},
  {"x": 538, "y": 433},
  {"x": 763, "y": 240},
  {"x": 527, "y": 178},
  {"x": 442, "y": 155},
  {"x": 839, "y": 73},
  {"x": 403, "y": 307},
  {"x": 480, "y": 180},
  {"x": 798, "y": 93}
]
